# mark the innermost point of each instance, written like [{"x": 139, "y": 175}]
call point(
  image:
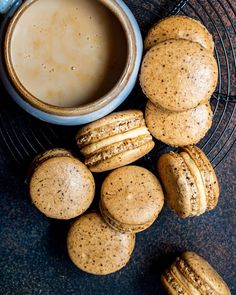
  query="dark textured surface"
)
[{"x": 33, "y": 257}]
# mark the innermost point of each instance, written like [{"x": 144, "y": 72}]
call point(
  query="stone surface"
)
[{"x": 33, "y": 256}]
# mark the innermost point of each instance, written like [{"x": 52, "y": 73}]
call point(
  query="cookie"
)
[
  {"x": 60, "y": 185},
  {"x": 190, "y": 274},
  {"x": 96, "y": 248},
  {"x": 114, "y": 141},
  {"x": 179, "y": 27},
  {"x": 178, "y": 75},
  {"x": 178, "y": 128},
  {"x": 189, "y": 180},
  {"x": 131, "y": 199}
]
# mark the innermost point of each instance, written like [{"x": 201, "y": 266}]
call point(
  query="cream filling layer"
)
[
  {"x": 92, "y": 148},
  {"x": 198, "y": 180},
  {"x": 187, "y": 285}
]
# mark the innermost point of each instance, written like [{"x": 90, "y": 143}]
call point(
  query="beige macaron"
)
[
  {"x": 179, "y": 27},
  {"x": 115, "y": 140},
  {"x": 131, "y": 199},
  {"x": 178, "y": 75},
  {"x": 96, "y": 248},
  {"x": 189, "y": 180},
  {"x": 190, "y": 274},
  {"x": 60, "y": 185},
  {"x": 178, "y": 128}
]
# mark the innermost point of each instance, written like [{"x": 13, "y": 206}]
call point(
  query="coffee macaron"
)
[
  {"x": 60, "y": 185},
  {"x": 131, "y": 199},
  {"x": 114, "y": 141},
  {"x": 190, "y": 274},
  {"x": 179, "y": 27},
  {"x": 178, "y": 75},
  {"x": 178, "y": 128},
  {"x": 189, "y": 181},
  {"x": 96, "y": 248}
]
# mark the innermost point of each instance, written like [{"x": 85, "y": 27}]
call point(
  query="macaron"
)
[
  {"x": 189, "y": 181},
  {"x": 60, "y": 185},
  {"x": 96, "y": 248},
  {"x": 114, "y": 141},
  {"x": 131, "y": 199},
  {"x": 178, "y": 75},
  {"x": 190, "y": 274},
  {"x": 178, "y": 128},
  {"x": 179, "y": 27}
]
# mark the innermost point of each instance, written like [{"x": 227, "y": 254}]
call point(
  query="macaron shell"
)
[
  {"x": 123, "y": 158},
  {"x": 179, "y": 27},
  {"x": 206, "y": 273},
  {"x": 132, "y": 195},
  {"x": 180, "y": 189},
  {"x": 178, "y": 75},
  {"x": 172, "y": 286},
  {"x": 178, "y": 128},
  {"x": 39, "y": 159},
  {"x": 208, "y": 175},
  {"x": 96, "y": 248},
  {"x": 62, "y": 187},
  {"x": 110, "y": 125}
]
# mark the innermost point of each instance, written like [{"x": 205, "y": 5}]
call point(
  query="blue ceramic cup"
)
[{"x": 88, "y": 112}]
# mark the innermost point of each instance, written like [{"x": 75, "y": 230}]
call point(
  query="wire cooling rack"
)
[{"x": 24, "y": 136}]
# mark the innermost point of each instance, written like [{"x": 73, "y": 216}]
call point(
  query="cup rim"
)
[{"x": 91, "y": 107}]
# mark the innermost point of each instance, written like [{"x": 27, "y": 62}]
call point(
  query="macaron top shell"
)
[
  {"x": 62, "y": 187},
  {"x": 132, "y": 195},
  {"x": 202, "y": 269},
  {"x": 178, "y": 75},
  {"x": 178, "y": 128},
  {"x": 179, "y": 27},
  {"x": 96, "y": 248}
]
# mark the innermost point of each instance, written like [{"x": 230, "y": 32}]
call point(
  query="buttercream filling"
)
[
  {"x": 188, "y": 286},
  {"x": 117, "y": 148},
  {"x": 92, "y": 148},
  {"x": 195, "y": 172},
  {"x": 193, "y": 278},
  {"x": 109, "y": 130},
  {"x": 175, "y": 283}
]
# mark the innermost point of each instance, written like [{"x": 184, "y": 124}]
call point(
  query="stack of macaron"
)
[{"x": 179, "y": 75}]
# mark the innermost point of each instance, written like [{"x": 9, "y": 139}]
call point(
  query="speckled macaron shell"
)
[
  {"x": 178, "y": 128},
  {"x": 191, "y": 274},
  {"x": 96, "y": 248},
  {"x": 181, "y": 192},
  {"x": 115, "y": 123},
  {"x": 114, "y": 141},
  {"x": 211, "y": 281},
  {"x": 131, "y": 198},
  {"x": 178, "y": 75},
  {"x": 179, "y": 27},
  {"x": 62, "y": 187},
  {"x": 208, "y": 174}
]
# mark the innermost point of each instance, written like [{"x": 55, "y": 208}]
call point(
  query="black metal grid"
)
[{"x": 25, "y": 136}]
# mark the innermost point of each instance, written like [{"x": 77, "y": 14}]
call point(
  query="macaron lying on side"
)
[
  {"x": 96, "y": 248},
  {"x": 189, "y": 181},
  {"x": 190, "y": 274},
  {"x": 131, "y": 199},
  {"x": 114, "y": 141},
  {"x": 60, "y": 185}
]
